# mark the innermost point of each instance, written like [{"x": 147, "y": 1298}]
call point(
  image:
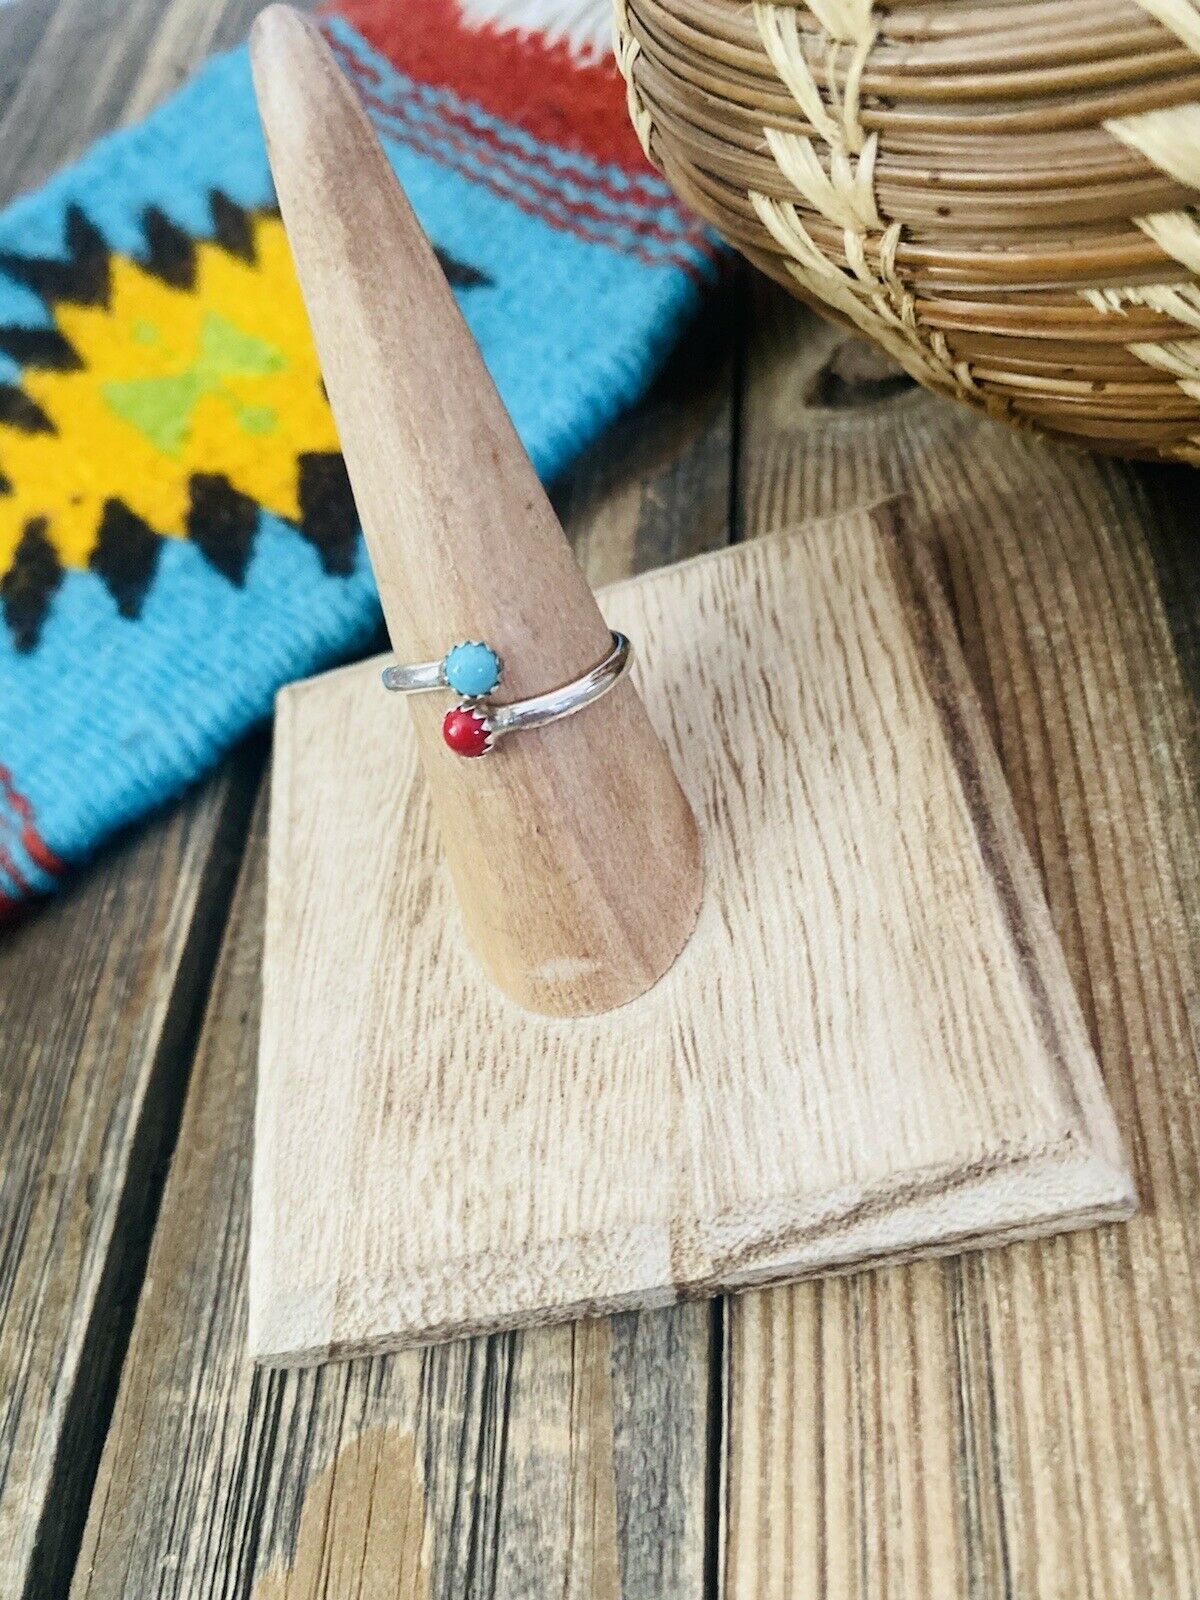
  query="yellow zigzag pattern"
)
[{"x": 217, "y": 378}]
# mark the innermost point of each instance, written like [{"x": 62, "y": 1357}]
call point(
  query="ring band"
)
[{"x": 472, "y": 727}]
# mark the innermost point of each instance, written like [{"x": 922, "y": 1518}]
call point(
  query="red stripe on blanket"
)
[
  {"x": 35, "y": 847},
  {"x": 544, "y": 88},
  {"x": 549, "y": 209},
  {"x": 642, "y": 191},
  {"x": 38, "y": 850},
  {"x": 478, "y": 159}
]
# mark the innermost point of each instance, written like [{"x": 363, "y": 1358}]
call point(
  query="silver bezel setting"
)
[
  {"x": 473, "y": 706},
  {"x": 480, "y": 644}
]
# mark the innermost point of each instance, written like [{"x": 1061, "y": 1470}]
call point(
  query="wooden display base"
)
[{"x": 869, "y": 1048}]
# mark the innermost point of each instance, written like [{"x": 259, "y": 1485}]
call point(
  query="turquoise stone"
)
[{"x": 472, "y": 669}]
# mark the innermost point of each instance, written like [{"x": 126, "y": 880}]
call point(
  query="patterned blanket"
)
[{"x": 177, "y": 534}]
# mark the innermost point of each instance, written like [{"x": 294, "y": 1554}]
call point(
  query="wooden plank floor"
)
[{"x": 1021, "y": 1423}]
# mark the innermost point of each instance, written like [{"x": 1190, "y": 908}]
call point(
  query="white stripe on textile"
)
[{"x": 585, "y": 25}]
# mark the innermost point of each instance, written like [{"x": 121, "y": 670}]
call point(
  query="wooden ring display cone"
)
[
  {"x": 851, "y": 1038},
  {"x": 574, "y": 853}
]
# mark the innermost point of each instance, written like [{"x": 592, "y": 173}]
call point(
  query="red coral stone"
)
[{"x": 465, "y": 731}]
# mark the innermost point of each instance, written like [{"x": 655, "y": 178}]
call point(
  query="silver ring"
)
[{"x": 474, "y": 671}]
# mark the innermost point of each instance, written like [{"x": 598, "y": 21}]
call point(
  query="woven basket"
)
[{"x": 1000, "y": 194}]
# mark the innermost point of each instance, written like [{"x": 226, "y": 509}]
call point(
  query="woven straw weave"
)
[{"x": 1002, "y": 195}]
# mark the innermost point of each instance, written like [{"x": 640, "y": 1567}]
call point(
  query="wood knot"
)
[{"x": 856, "y": 373}]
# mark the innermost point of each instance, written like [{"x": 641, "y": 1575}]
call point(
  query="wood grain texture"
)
[
  {"x": 868, "y": 1048},
  {"x": 1022, "y": 1422},
  {"x": 98, "y": 994},
  {"x": 71, "y": 70},
  {"x": 543, "y": 842},
  {"x": 534, "y": 1448}
]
